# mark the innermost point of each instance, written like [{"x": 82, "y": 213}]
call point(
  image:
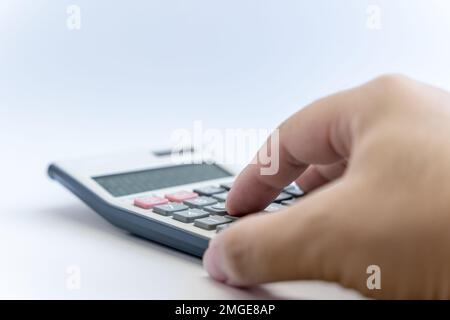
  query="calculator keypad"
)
[{"x": 205, "y": 207}]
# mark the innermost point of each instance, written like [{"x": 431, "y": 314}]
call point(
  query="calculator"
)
[{"x": 159, "y": 196}]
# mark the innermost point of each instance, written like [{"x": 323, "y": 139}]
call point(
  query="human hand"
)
[{"x": 376, "y": 163}]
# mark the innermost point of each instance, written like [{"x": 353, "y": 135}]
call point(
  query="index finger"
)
[{"x": 318, "y": 134}]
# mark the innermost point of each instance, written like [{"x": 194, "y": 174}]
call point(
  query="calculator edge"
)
[{"x": 149, "y": 229}]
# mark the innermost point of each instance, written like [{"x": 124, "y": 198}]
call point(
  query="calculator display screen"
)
[{"x": 159, "y": 178}]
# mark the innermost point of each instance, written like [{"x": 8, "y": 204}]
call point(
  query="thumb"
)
[{"x": 306, "y": 241}]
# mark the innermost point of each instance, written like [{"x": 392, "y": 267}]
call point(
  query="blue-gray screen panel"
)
[{"x": 123, "y": 184}]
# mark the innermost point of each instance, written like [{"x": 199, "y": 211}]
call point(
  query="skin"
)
[{"x": 376, "y": 163}]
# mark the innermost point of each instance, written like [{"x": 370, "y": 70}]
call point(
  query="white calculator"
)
[{"x": 158, "y": 196}]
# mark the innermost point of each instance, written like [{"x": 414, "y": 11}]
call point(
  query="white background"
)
[{"x": 136, "y": 71}]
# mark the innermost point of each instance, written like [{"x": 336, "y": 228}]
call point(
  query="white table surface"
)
[{"x": 135, "y": 72}]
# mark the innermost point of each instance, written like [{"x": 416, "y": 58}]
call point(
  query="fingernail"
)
[{"x": 212, "y": 263}]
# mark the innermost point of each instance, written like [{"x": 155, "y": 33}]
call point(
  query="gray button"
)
[
  {"x": 221, "y": 196},
  {"x": 209, "y": 191},
  {"x": 289, "y": 202},
  {"x": 169, "y": 208},
  {"x": 222, "y": 227},
  {"x": 218, "y": 208},
  {"x": 282, "y": 197},
  {"x": 188, "y": 216},
  {"x": 211, "y": 222},
  {"x": 294, "y": 191},
  {"x": 200, "y": 202},
  {"x": 232, "y": 218},
  {"x": 227, "y": 185},
  {"x": 274, "y": 207}
]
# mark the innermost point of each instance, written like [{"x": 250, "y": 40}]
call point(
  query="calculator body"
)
[
  {"x": 167, "y": 174},
  {"x": 177, "y": 200}
]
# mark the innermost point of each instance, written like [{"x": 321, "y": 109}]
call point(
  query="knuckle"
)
[
  {"x": 390, "y": 80},
  {"x": 388, "y": 95},
  {"x": 390, "y": 85}
]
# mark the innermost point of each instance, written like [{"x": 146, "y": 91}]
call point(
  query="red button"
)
[
  {"x": 180, "y": 196},
  {"x": 149, "y": 202}
]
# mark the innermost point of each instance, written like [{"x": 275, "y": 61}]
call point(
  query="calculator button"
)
[
  {"x": 200, "y": 202},
  {"x": 149, "y": 202},
  {"x": 294, "y": 191},
  {"x": 170, "y": 208},
  {"x": 227, "y": 185},
  {"x": 274, "y": 207},
  {"x": 289, "y": 202},
  {"x": 221, "y": 196},
  {"x": 218, "y": 208},
  {"x": 188, "y": 216},
  {"x": 282, "y": 197},
  {"x": 211, "y": 222},
  {"x": 222, "y": 227},
  {"x": 180, "y": 196},
  {"x": 232, "y": 218},
  {"x": 209, "y": 191}
]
